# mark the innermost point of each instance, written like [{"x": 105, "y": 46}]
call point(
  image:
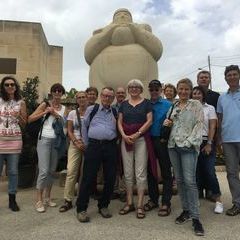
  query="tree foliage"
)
[{"x": 30, "y": 93}]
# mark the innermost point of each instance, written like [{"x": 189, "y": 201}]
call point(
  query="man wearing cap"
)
[
  {"x": 228, "y": 109},
  {"x": 160, "y": 109}
]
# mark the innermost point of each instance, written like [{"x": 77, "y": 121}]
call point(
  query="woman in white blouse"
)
[
  {"x": 183, "y": 145},
  {"x": 47, "y": 153},
  {"x": 206, "y": 175},
  {"x": 75, "y": 150}
]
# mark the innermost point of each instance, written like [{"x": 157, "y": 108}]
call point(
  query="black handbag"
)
[
  {"x": 166, "y": 130},
  {"x": 34, "y": 129}
]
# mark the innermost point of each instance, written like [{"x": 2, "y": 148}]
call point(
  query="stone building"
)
[{"x": 25, "y": 52}]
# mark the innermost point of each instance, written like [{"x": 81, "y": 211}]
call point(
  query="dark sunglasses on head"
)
[
  {"x": 9, "y": 84},
  {"x": 153, "y": 89}
]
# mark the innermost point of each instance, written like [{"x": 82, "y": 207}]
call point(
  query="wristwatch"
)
[{"x": 209, "y": 142}]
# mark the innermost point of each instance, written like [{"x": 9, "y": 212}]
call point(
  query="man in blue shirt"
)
[
  {"x": 228, "y": 109},
  {"x": 99, "y": 136},
  {"x": 160, "y": 109}
]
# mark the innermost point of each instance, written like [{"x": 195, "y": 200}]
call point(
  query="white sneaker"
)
[
  {"x": 48, "y": 202},
  {"x": 40, "y": 207},
  {"x": 218, "y": 208}
]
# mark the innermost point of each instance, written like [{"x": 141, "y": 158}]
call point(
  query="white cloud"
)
[{"x": 189, "y": 29}]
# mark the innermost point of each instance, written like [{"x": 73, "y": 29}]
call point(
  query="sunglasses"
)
[
  {"x": 154, "y": 89},
  {"x": 9, "y": 85},
  {"x": 57, "y": 90}
]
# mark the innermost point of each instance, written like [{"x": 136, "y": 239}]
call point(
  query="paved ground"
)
[{"x": 28, "y": 224}]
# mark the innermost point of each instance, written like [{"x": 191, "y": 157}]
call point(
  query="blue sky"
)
[{"x": 190, "y": 30}]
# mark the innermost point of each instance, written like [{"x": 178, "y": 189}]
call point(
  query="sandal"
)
[
  {"x": 149, "y": 206},
  {"x": 66, "y": 206},
  {"x": 140, "y": 213},
  {"x": 127, "y": 209},
  {"x": 164, "y": 212}
]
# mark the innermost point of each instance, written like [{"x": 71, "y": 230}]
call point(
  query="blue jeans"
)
[
  {"x": 184, "y": 162},
  {"x": 12, "y": 170},
  {"x": 206, "y": 174}
]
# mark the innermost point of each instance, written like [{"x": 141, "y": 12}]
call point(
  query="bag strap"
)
[
  {"x": 79, "y": 121},
  {"x": 170, "y": 114},
  {"x": 44, "y": 119}
]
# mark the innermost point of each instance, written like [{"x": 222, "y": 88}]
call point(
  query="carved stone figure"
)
[{"x": 122, "y": 51}]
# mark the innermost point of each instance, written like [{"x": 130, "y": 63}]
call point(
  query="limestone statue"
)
[{"x": 121, "y": 51}]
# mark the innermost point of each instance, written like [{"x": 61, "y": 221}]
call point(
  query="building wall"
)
[{"x": 27, "y": 42}]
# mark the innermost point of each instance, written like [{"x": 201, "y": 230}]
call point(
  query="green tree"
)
[
  {"x": 71, "y": 93},
  {"x": 30, "y": 93}
]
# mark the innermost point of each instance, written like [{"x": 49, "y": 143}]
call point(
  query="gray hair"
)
[{"x": 135, "y": 83}]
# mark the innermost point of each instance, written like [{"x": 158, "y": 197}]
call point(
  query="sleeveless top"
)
[
  {"x": 48, "y": 131},
  {"x": 10, "y": 131}
]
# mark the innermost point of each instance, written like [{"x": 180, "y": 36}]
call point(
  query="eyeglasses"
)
[
  {"x": 82, "y": 97},
  {"x": 9, "y": 85},
  {"x": 153, "y": 89}
]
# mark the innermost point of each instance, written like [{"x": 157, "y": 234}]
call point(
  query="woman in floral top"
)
[
  {"x": 184, "y": 144},
  {"x": 13, "y": 114}
]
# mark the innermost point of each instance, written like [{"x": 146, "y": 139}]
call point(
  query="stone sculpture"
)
[{"x": 122, "y": 51}]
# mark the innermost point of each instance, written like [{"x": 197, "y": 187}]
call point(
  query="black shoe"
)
[
  {"x": 233, "y": 211},
  {"x": 12, "y": 203},
  {"x": 197, "y": 227},
  {"x": 66, "y": 206},
  {"x": 184, "y": 217}
]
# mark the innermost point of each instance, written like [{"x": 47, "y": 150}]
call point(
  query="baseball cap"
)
[{"x": 155, "y": 83}]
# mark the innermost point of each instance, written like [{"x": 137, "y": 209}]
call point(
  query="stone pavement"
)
[{"x": 28, "y": 224}]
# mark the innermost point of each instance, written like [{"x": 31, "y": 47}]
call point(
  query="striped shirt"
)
[{"x": 10, "y": 131}]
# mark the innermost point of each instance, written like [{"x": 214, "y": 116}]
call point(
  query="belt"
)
[{"x": 96, "y": 141}]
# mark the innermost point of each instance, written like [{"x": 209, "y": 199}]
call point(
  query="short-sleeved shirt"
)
[
  {"x": 209, "y": 114},
  {"x": 10, "y": 131},
  {"x": 72, "y": 116},
  {"x": 229, "y": 106},
  {"x": 160, "y": 109},
  {"x": 137, "y": 114}
]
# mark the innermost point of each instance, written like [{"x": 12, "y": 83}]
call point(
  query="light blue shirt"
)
[
  {"x": 102, "y": 127},
  {"x": 229, "y": 106}
]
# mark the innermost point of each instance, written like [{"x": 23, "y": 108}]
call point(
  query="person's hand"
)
[
  {"x": 128, "y": 139},
  {"x": 134, "y": 136},
  {"x": 207, "y": 149},
  {"x": 49, "y": 110},
  {"x": 80, "y": 145},
  {"x": 15, "y": 113},
  {"x": 168, "y": 123}
]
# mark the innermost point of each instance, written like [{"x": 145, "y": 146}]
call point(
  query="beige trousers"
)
[
  {"x": 75, "y": 158},
  {"x": 135, "y": 164}
]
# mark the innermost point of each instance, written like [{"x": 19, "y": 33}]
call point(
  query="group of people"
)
[{"x": 126, "y": 140}]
